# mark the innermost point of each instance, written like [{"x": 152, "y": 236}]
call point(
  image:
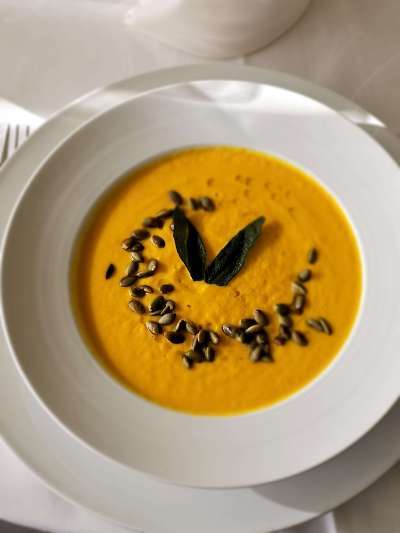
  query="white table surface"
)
[{"x": 52, "y": 51}]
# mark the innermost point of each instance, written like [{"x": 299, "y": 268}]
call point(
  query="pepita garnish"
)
[
  {"x": 209, "y": 353},
  {"x": 187, "y": 363},
  {"x": 158, "y": 241},
  {"x": 299, "y": 338},
  {"x": 166, "y": 288},
  {"x": 175, "y": 337},
  {"x": 206, "y": 203},
  {"x": 304, "y": 275},
  {"x": 191, "y": 327},
  {"x": 154, "y": 327},
  {"x": 315, "y": 324},
  {"x": 299, "y": 302},
  {"x": 132, "y": 268},
  {"x": 137, "y": 306},
  {"x": 282, "y": 309},
  {"x": 260, "y": 317},
  {"x": 110, "y": 271},
  {"x": 229, "y": 330},
  {"x": 175, "y": 198},
  {"x": 214, "y": 337},
  {"x": 167, "y": 319},
  {"x": 299, "y": 288},
  {"x": 312, "y": 256},
  {"x": 137, "y": 256},
  {"x": 140, "y": 234},
  {"x": 153, "y": 222},
  {"x": 127, "y": 281},
  {"x": 152, "y": 265},
  {"x": 157, "y": 304}
]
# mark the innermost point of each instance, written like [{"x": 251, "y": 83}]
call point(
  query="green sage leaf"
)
[
  {"x": 232, "y": 257},
  {"x": 189, "y": 245}
]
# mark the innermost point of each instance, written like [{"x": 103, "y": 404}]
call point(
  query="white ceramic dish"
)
[
  {"x": 55, "y": 361},
  {"x": 92, "y": 480}
]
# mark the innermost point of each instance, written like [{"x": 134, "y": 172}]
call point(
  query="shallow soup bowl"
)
[{"x": 313, "y": 425}]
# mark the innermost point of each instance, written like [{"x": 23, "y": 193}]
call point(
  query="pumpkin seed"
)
[
  {"x": 110, "y": 271},
  {"x": 299, "y": 302},
  {"x": 175, "y": 337},
  {"x": 206, "y": 203},
  {"x": 244, "y": 337},
  {"x": 304, "y": 275},
  {"x": 144, "y": 274},
  {"x": 166, "y": 288},
  {"x": 167, "y": 319},
  {"x": 254, "y": 329},
  {"x": 194, "y": 203},
  {"x": 229, "y": 330},
  {"x": 260, "y": 317},
  {"x": 168, "y": 308},
  {"x": 286, "y": 320},
  {"x": 127, "y": 281},
  {"x": 299, "y": 288},
  {"x": 152, "y": 265},
  {"x": 256, "y": 353},
  {"x": 194, "y": 356},
  {"x": 279, "y": 340},
  {"x": 158, "y": 241},
  {"x": 312, "y": 256},
  {"x": 191, "y": 327},
  {"x": 128, "y": 243},
  {"x": 181, "y": 325},
  {"x": 196, "y": 346},
  {"x": 262, "y": 338},
  {"x": 147, "y": 289},
  {"x": 203, "y": 336},
  {"x": 138, "y": 292},
  {"x": 153, "y": 327},
  {"x": 187, "y": 363},
  {"x": 247, "y": 322},
  {"x": 140, "y": 234},
  {"x": 136, "y": 247},
  {"x": 157, "y": 304},
  {"x": 315, "y": 324},
  {"x": 285, "y": 332},
  {"x": 299, "y": 338},
  {"x": 137, "y": 306},
  {"x": 326, "y": 326},
  {"x": 137, "y": 256},
  {"x": 214, "y": 337},
  {"x": 172, "y": 226},
  {"x": 209, "y": 353},
  {"x": 282, "y": 309},
  {"x": 153, "y": 222},
  {"x": 132, "y": 268},
  {"x": 165, "y": 213},
  {"x": 175, "y": 197}
]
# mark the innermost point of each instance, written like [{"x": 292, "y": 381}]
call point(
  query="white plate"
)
[
  {"x": 90, "y": 480},
  {"x": 289, "y": 438}
]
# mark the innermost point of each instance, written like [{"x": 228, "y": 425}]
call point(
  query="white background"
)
[{"x": 53, "y": 51}]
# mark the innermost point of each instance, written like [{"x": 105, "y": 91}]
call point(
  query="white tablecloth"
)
[{"x": 52, "y": 51}]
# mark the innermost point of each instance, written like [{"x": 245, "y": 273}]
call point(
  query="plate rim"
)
[
  {"x": 242, "y": 70},
  {"x": 192, "y": 480}
]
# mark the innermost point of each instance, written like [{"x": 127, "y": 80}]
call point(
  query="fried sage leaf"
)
[
  {"x": 189, "y": 245},
  {"x": 232, "y": 257}
]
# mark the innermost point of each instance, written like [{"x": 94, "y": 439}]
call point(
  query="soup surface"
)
[{"x": 299, "y": 215}]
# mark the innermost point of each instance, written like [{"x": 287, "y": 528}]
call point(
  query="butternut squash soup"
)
[{"x": 216, "y": 280}]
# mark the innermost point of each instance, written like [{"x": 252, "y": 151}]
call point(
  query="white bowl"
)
[{"x": 308, "y": 428}]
